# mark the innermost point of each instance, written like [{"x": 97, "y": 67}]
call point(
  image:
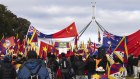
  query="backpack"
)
[
  {"x": 65, "y": 64},
  {"x": 34, "y": 75}
]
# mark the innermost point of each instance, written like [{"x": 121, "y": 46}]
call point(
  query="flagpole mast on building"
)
[{"x": 94, "y": 11}]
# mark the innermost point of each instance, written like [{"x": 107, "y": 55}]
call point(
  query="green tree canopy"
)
[{"x": 11, "y": 25}]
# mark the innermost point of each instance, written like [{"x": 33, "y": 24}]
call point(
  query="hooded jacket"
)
[{"x": 33, "y": 65}]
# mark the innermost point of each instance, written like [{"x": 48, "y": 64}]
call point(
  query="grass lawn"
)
[{"x": 132, "y": 77}]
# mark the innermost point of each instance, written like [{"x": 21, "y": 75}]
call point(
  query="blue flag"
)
[{"x": 110, "y": 40}]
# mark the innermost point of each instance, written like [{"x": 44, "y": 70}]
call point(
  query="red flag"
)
[
  {"x": 17, "y": 45},
  {"x": 22, "y": 46},
  {"x": 44, "y": 49},
  {"x": 9, "y": 42},
  {"x": 134, "y": 43},
  {"x": 69, "y": 31}
]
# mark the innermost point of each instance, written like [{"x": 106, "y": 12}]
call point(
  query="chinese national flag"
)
[
  {"x": 134, "y": 43},
  {"x": 69, "y": 31}
]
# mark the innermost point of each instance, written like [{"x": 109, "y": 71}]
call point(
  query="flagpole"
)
[
  {"x": 126, "y": 49},
  {"x": 94, "y": 11}
]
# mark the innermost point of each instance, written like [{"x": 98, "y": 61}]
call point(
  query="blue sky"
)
[{"x": 120, "y": 17}]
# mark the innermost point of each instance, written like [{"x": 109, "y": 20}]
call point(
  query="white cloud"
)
[
  {"x": 53, "y": 9},
  {"x": 117, "y": 16}
]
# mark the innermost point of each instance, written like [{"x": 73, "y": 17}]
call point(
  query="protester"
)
[
  {"x": 33, "y": 67},
  {"x": 18, "y": 61},
  {"x": 103, "y": 62},
  {"x": 53, "y": 65},
  {"x": 73, "y": 67},
  {"x": 48, "y": 59},
  {"x": 7, "y": 70},
  {"x": 98, "y": 60},
  {"x": 139, "y": 66},
  {"x": 80, "y": 65},
  {"x": 130, "y": 65},
  {"x": 135, "y": 67},
  {"x": 91, "y": 66},
  {"x": 64, "y": 66}
]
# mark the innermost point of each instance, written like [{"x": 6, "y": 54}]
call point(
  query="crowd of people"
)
[
  {"x": 133, "y": 67},
  {"x": 62, "y": 67},
  {"x": 23, "y": 68},
  {"x": 73, "y": 67}
]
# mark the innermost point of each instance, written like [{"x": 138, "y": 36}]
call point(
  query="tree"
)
[{"x": 11, "y": 25}]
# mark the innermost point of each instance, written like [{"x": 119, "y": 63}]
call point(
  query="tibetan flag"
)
[
  {"x": 2, "y": 49},
  {"x": 123, "y": 50},
  {"x": 17, "y": 45},
  {"x": 22, "y": 46},
  {"x": 35, "y": 38},
  {"x": 69, "y": 31},
  {"x": 33, "y": 34},
  {"x": 115, "y": 68}
]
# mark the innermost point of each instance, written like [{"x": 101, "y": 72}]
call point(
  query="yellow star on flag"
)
[
  {"x": 71, "y": 28},
  {"x": 45, "y": 49}
]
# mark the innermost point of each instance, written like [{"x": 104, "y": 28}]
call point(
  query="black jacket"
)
[
  {"x": 91, "y": 65},
  {"x": 80, "y": 65},
  {"x": 7, "y": 71}
]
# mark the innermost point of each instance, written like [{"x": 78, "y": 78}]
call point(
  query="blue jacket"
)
[{"x": 33, "y": 65}]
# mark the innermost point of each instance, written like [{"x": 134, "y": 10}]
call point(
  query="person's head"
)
[
  {"x": 7, "y": 59},
  {"x": 32, "y": 55},
  {"x": 49, "y": 54},
  {"x": 53, "y": 56},
  {"x": 80, "y": 57},
  {"x": 19, "y": 56},
  {"x": 63, "y": 54},
  {"x": 94, "y": 56}
]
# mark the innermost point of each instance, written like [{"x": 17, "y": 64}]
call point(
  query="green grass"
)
[{"x": 132, "y": 77}]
